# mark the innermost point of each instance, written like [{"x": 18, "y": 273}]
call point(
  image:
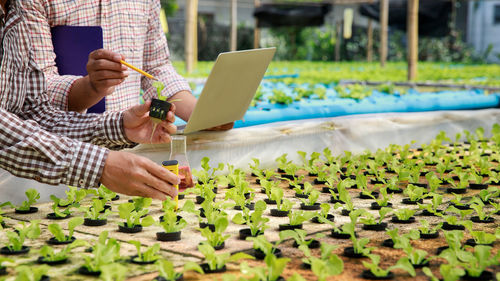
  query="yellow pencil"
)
[{"x": 138, "y": 70}]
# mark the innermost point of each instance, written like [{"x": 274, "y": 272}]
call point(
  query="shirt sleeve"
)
[
  {"x": 37, "y": 18},
  {"x": 157, "y": 59},
  {"x": 29, "y": 151}
]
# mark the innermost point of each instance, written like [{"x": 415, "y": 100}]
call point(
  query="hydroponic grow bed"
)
[{"x": 396, "y": 167}]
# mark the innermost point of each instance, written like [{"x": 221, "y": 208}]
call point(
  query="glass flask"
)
[{"x": 178, "y": 152}]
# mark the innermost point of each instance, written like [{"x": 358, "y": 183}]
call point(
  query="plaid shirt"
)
[
  {"x": 38, "y": 141},
  {"x": 130, "y": 27}
]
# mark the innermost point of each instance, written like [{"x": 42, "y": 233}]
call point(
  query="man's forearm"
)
[
  {"x": 185, "y": 105},
  {"x": 82, "y": 95}
]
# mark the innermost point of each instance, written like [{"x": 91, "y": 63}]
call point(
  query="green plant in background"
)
[
  {"x": 58, "y": 232},
  {"x": 151, "y": 254},
  {"x": 271, "y": 272},
  {"x": 49, "y": 254},
  {"x": 300, "y": 236},
  {"x": 170, "y": 223},
  {"x": 33, "y": 195},
  {"x": 31, "y": 273},
  {"x": 17, "y": 238},
  {"x": 132, "y": 217},
  {"x": 167, "y": 270},
  {"x": 217, "y": 261},
  {"x": 369, "y": 218},
  {"x": 280, "y": 97},
  {"x": 207, "y": 173},
  {"x": 376, "y": 270},
  {"x": 450, "y": 272},
  {"x": 113, "y": 272}
]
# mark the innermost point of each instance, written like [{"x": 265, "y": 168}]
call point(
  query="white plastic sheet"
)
[{"x": 355, "y": 133}]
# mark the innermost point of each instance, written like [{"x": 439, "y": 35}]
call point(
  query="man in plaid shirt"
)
[
  {"x": 131, "y": 31},
  {"x": 51, "y": 146}
]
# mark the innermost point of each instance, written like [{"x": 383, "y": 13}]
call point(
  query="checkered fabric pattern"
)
[
  {"x": 38, "y": 141},
  {"x": 130, "y": 27}
]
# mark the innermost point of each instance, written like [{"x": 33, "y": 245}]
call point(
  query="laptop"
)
[{"x": 229, "y": 89}]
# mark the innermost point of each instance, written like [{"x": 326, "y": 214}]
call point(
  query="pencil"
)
[{"x": 138, "y": 70}]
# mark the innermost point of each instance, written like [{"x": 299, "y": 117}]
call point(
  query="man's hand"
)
[
  {"x": 134, "y": 175},
  {"x": 105, "y": 71},
  {"x": 139, "y": 127}
]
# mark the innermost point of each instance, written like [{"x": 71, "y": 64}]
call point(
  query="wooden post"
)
[
  {"x": 384, "y": 22},
  {"x": 191, "y": 36},
  {"x": 338, "y": 42},
  {"x": 369, "y": 45},
  {"x": 412, "y": 32},
  {"x": 234, "y": 26},
  {"x": 256, "y": 30}
]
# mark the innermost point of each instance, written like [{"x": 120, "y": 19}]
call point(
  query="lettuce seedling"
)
[
  {"x": 149, "y": 255},
  {"x": 17, "y": 238},
  {"x": 461, "y": 213},
  {"x": 329, "y": 158},
  {"x": 170, "y": 223},
  {"x": 104, "y": 193},
  {"x": 370, "y": 218},
  {"x": 298, "y": 217},
  {"x": 216, "y": 238},
  {"x": 346, "y": 198},
  {"x": 31, "y": 273},
  {"x": 49, "y": 254},
  {"x": 282, "y": 161},
  {"x": 476, "y": 263},
  {"x": 58, "y": 232},
  {"x": 415, "y": 193},
  {"x": 261, "y": 243},
  {"x": 284, "y": 205},
  {"x": 487, "y": 195},
  {"x": 313, "y": 197},
  {"x": 94, "y": 211},
  {"x": 255, "y": 220},
  {"x": 349, "y": 228},
  {"x": 33, "y": 195},
  {"x": 415, "y": 256},
  {"x": 113, "y": 272},
  {"x": 450, "y": 272},
  {"x": 73, "y": 196},
  {"x": 208, "y": 173},
  {"x": 239, "y": 198},
  {"x": 324, "y": 212},
  {"x": 132, "y": 217},
  {"x": 271, "y": 272},
  {"x": 324, "y": 268},
  {"x": 377, "y": 271},
  {"x": 326, "y": 252},
  {"x": 255, "y": 166},
  {"x": 105, "y": 251},
  {"x": 299, "y": 236},
  {"x": 436, "y": 200},
  {"x": 404, "y": 213},
  {"x": 265, "y": 174},
  {"x": 268, "y": 186},
  {"x": 218, "y": 261},
  {"x": 463, "y": 177},
  {"x": 167, "y": 270},
  {"x": 310, "y": 165},
  {"x": 384, "y": 197},
  {"x": 141, "y": 203},
  {"x": 481, "y": 237},
  {"x": 426, "y": 228},
  {"x": 66, "y": 210}
]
